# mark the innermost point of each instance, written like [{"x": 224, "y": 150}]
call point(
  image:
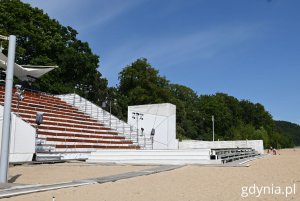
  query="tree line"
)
[
  {"x": 140, "y": 83},
  {"x": 44, "y": 41},
  {"x": 290, "y": 129}
]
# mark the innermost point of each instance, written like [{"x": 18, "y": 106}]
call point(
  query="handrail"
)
[{"x": 130, "y": 132}]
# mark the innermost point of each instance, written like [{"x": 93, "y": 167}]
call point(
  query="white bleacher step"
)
[
  {"x": 75, "y": 150},
  {"x": 232, "y": 154},
  {"x": 201, "y": 156},
  {"x": 60, "y": 138},
  {"x": 47, "y": 157},
  {"x": 40, "y": 141},
  {"x": 53, "y": 143},
  {"x": 57, "y": 119},
  {"x": 61, "y": 129},
  {"x": 44, "y": 148},
  {"x": 108, "y": 134},
  {"x": 65, "y": 123},
  {"x": 49, "y": 111},
  {"x": 62, "y": 156}
]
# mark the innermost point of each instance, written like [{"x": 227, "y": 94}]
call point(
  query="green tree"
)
[
  {"x": 43, "y": 41},
  {"x": 140, "y": 83},
  {"x": 187, "y": 114},
  {"x": 290, "y": 129},
  {"x": 256, "y": 115},
  {"x": 215, "y": 105}
]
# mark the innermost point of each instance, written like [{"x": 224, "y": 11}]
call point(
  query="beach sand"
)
[
  {"x": 64, "y": 172},
  {"x": 186, "y": 183}
]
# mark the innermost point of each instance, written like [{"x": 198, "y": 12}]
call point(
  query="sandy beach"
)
[
  {"x": 186, "y": 183},
  {"x": 63, "y": 172}
]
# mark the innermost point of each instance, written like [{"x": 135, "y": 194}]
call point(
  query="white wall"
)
[
  {"x": 161, "y": 117},
  {"x": 195, "y": 144},
  {"x": 22, "y": 140}
]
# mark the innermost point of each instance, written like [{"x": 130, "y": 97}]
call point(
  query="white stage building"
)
[{"x": 161, "y": 118}]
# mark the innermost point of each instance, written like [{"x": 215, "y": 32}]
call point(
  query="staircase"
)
[
  {"x": 65, "y": 129},
  {"x": 131, "y": 133}
]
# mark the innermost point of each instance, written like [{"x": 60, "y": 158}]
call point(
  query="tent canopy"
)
[{"x": 25, "y": 72}]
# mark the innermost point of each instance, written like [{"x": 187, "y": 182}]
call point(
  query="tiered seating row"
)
[{"x": 232, "y": 154}]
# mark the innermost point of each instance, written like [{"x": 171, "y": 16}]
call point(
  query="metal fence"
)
[{"x": 130, "y": 132}]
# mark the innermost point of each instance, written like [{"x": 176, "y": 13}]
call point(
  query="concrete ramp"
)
[{"x": 155, "y": 157}]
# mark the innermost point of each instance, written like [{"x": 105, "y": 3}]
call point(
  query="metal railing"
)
[{"x": 130, "y": 132}]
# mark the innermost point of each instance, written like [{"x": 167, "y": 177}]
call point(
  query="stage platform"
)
[
  {"x": 171, "y": 157},
  {"x": 174, "y": 157}
]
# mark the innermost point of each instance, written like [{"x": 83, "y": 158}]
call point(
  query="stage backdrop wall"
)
[
  {"x": 161, "y": 117},
  {"x": 22, "y": 140}
]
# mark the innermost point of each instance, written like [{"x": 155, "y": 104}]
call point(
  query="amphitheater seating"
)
[
  {"x": 231, "y": 154},
  {"x": 64, "y": 128}
]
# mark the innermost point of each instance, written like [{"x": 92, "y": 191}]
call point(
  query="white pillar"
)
[{"x": 4, "y": 158}]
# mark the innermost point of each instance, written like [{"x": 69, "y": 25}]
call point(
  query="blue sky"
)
[{"x": 249, "y": 49}]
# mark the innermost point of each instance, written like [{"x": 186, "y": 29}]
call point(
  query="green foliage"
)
[
  {"x": 180, "y": 133},
  {"x": 215, "y": 105},
  {"x": 43, "y": 41},
  {"x": 289, "y": 129},
  {"x": 243, "y": 132},
  {"x": 247, "y": 131},
  {"x": 140, "y": 83},
  {"x": 262, "y": 134},
  {"x": 185, "y": 100},
  {"x": 256, "y": 115},
  {"x": 280, "y": 140}
]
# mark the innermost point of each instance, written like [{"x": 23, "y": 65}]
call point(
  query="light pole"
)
[
  {"x": 142, "y": 129},
  {"x": 152, "y": 136},
  {"x": 85, "y": 89},
  {"x": 138, "y": 116},
  {"x": 38, "y": 121},
  {"x": 104, "y": 105},
  {"x": 4, "y": 159},
  {"x": 213, "y": 126}
]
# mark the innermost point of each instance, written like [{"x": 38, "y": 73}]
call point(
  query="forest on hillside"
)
[
  {"x": 290, "y": 129},
  {"x": 44, "y": 41}
]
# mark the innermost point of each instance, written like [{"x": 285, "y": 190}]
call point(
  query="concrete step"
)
[
  {"x": 88, "y": 141},
  {"x": 152, "y": 157},
  {"x": 80, "y": 135},
  {"x": 49, "y": 157},
  {"x": 82, "y": 146},
  {"x": 65, "y": 155}
]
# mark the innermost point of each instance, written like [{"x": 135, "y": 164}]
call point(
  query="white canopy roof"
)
[{"x": 25, "y": 72}]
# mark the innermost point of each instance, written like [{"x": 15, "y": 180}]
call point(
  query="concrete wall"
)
[
  {"x": 22, "y": 140},
  {"x": 161, "y": 117},
  {"x": 195, "y": 144}
]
